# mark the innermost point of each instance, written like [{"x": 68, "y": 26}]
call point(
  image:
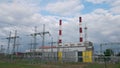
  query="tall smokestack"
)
[
  {"x": 80, "y": 29},
  {"x": 60, "y": 33}
]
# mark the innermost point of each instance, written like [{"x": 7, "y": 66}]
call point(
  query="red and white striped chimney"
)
[
  {"x": 80, "y": 29},
  {"x": 60, "y": 33}
]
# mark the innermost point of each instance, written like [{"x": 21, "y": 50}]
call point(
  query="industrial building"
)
[
  {"x": 66, "y": 52},
  {"x": 70, "y": 52}
]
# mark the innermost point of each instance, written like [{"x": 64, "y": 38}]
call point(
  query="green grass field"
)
[
  {"x": 55, "y": 65},
  {"x": 96, "y": 65}
]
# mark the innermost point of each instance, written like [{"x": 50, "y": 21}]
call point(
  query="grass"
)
[
  {"x": 25, "y": 64},
  {"x": 41, "y": 65},
  {"x": 14, "y": 65},
  {"x": 96, "y": 65}
]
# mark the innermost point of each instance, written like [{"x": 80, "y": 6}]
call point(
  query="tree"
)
[{"x": 108, "y": 52}]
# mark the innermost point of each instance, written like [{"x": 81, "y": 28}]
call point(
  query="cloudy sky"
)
[{"x": 102, "y": 17}]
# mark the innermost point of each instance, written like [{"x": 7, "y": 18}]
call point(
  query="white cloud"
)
[
  {"x": 102, "y": 25},
  {"x": 23, "y": 16},
  {"x": 115, "y": 10},
  {"x": 115, "y": 6},
  {"x": 115, "y": 3},
  {"x": 65, "y": 7},
  {"x": 17, "y": 16},
  {"x": 11, "y": 12},
  {"x": 96, "y": 1}
]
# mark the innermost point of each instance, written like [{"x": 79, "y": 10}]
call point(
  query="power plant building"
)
[{"x": 69, "y": 52}]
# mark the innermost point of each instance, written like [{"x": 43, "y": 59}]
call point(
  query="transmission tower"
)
[
  {"x": 14, "y": 41},
  {"x": 43, "y": 39},
  {"x": 42, "y": 34},
  {"x": 14, "y": 38},
  {"x": 9, "y": 39},
  {"x": 34, "y": 42}
]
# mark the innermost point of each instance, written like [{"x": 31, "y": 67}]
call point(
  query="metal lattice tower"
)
[{"x": 8, "y": 47}]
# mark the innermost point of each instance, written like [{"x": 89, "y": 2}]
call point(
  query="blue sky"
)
[
  {"x": 90, "y": 7},
  {"x": 102, "y": 18}
]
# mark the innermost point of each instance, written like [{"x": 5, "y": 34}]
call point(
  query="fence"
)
[{"x": 66, "y": 57}]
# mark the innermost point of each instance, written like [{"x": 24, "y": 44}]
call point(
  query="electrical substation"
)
[{"x": 81, "y": 51}]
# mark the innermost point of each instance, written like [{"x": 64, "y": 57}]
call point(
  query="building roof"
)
[{"x": 47, "y": 47}]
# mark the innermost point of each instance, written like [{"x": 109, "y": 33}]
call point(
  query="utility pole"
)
[
  {"x": 9, "y": 39},
  {"x": 14, "y": 44},
  {"x": 52, "y": 52},
  {"x": 43, "y": 39},
  {"x": 31, "y": 46},
  {"x": 34, "y": 45},
  {"x": 18, "y": 43},
  {"x": 51, "y": 43},
  {"x": 34, "y": 42},
  {"x": 1, "y": 50},
  {"x": 101, "y": 49}
]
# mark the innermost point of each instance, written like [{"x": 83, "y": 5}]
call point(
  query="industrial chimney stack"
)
[
  {"x": 60, "y": 33},
  {"x": 80, "y": 30}
]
